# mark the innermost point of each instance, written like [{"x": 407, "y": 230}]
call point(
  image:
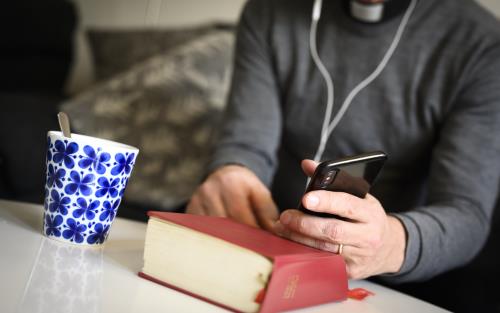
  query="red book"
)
[{"x": 239, "y": 267}]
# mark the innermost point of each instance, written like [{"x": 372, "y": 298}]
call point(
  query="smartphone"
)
[{"x": 354, "y": 175}]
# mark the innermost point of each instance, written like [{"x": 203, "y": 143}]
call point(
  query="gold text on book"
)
[{"x": 291, "y": 286}]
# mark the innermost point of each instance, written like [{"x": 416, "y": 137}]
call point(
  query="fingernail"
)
[
  {"x": 285, "y": 218},
  {"x": 312, "y": 201}
]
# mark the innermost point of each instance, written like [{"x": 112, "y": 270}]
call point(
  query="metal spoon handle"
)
[{"x": 64, "y": 124}]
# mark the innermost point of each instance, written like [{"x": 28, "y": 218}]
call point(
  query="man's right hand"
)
[{"x": 236, "y": 192}]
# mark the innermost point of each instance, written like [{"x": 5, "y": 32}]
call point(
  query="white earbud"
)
[{"x": 317, "y": 9}]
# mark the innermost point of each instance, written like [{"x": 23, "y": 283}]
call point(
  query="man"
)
[{"x": 434, "y": 109}]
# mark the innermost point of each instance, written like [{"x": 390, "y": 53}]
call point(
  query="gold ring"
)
[{"x": 341, "y": 247}]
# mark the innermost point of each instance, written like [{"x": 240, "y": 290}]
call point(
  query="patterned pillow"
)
[{"x": 167, "y": 106}]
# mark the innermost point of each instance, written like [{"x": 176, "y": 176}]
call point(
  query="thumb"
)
[
  {"x": 264, "y": 208},
  {"x": 309, "y": 166}
]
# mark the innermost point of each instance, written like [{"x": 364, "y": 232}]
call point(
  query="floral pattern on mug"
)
[
  {"x": 65, "y": 153},
  {"x": 107, "y": 187},
  {"x": 59, "y": 203},
  {"x": 55, "y": 176},
  {"x": 123, "y": 163},
  {"x": 94, "y": 160},
  {"x": 80, "y": 184},
  {"x": 74, "y": 230},
  {"x": 87, "y": 210},
  {"x": 99, "y": 234},
  {"x": 53, "y": 225}
]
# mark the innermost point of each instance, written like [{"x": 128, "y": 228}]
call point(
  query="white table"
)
[{"x": 41, "y": 275}]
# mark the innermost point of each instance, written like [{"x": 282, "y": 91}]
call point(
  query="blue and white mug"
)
[{"x": 86, "y": 179}]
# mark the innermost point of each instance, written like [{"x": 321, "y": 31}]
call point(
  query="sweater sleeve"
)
[
  {"x": 453, "y": 226},
  {"x": 252, "y": 124}
]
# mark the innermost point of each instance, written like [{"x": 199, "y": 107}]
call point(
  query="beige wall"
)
[
  {"x": 148, "y": 13},
  {"x": 493, "y": 5},
  {"x": 144, "y": 13}
]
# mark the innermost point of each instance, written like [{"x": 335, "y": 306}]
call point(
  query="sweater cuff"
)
[
  {"x": 251, "y": 159},
  {"x": 412, "y": 251}
]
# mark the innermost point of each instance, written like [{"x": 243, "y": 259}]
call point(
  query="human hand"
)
[
  {"x": 236, "y": 192},
  {"x": 373, "y": 242}
]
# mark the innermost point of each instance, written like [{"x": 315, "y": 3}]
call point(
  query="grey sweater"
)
[{"x": 435, "y": 110}]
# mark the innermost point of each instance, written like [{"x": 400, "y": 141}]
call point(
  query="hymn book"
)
[{"x": 238, "y": 267}]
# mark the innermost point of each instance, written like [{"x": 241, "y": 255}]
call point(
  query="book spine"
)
[{"x": 297, "y": 283}]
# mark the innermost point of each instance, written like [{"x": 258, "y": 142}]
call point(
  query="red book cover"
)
[{"x": 301, "y": 276}]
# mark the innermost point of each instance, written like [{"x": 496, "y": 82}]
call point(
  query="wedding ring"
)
[{"x": 341, "y": 246}]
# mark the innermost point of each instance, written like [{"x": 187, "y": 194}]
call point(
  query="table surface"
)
[{"x": 38, "y": 274}]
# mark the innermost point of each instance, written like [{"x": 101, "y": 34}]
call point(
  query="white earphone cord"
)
[
  {"x": 330, "y": 88},
  {"x": 328, "y": 126}
]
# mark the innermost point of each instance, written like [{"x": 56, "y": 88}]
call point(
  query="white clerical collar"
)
[{"x": 367, "y": 12}]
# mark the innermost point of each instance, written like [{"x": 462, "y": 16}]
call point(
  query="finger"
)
[
  {"x": 326, "y": 229},
  {"x": 285, "y": 232},
  {"x": 195, "y": 207},
  {"x": 214, "y": 207},
  {"x": 238, "y": 208},
  {"x": 212, "y": 202},
  {"x": 264, "y": 208},
  {"x": 309, "y": 166},
  {"x": 338, "y": 203}
]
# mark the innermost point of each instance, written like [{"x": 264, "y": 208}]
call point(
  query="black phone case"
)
[{"x": 344, "y": 175}]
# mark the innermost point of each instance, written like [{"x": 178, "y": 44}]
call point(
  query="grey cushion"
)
[
  {"x": 116, "y": 50},
  {"x": 168, "y": 107}
]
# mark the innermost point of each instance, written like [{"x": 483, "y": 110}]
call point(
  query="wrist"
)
[
  {"x": 222, "y": 167},
  {"x": 397, "y": 245}
]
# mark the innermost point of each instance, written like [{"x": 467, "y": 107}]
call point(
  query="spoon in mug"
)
[{"x": 64, "y": 124}]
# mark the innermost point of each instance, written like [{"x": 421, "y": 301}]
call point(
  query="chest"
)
[{"x": 399, "y": 112}]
